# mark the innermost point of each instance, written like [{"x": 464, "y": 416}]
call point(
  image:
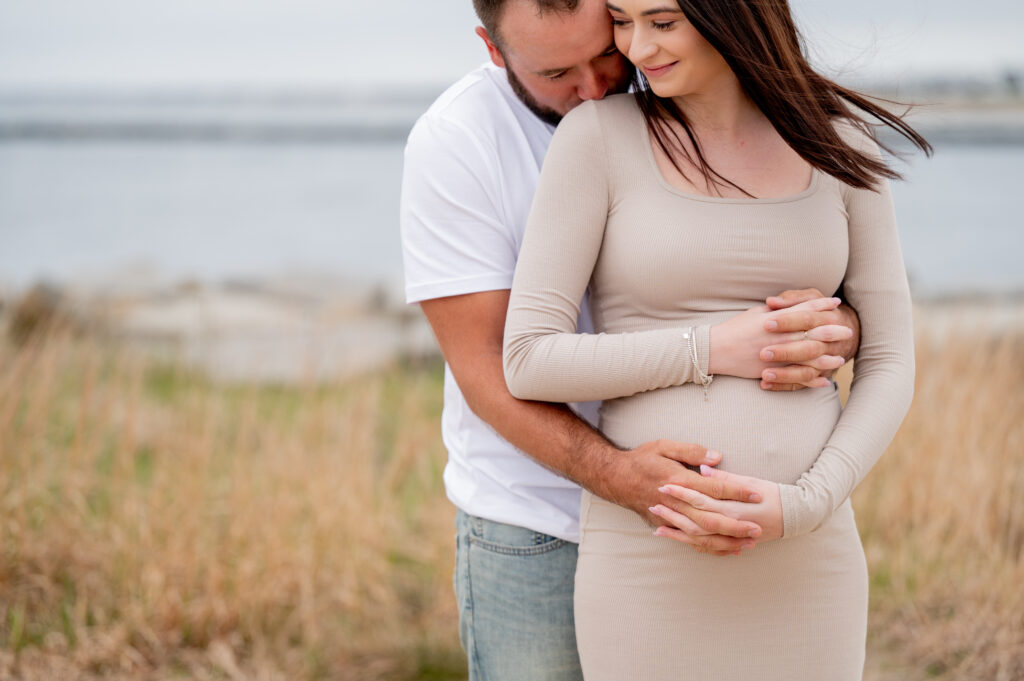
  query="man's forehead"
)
[{"x": 555, "y": 40}]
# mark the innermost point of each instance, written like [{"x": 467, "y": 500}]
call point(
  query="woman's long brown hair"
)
[{"x": 762, "y": 46}]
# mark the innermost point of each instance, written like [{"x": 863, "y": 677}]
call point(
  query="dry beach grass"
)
[
  {"x": 942, "y": 520},
  {"x": 157, "y": 525}
]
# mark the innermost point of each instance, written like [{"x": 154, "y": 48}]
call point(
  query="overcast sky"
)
[{"x": 330, "y": 43}]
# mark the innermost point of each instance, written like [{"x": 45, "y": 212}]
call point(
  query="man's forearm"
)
[
  {"x": 469, "y": 330},
  {"x": 551, "y": 434},
  {"x": 847, "y": 349}
]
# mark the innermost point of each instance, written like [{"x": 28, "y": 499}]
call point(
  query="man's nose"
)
[{"x": 592, "y": 85}]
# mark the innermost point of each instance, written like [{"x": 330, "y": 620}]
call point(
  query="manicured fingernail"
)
[
  {"x": 748, "y": 545},
  {"x": 755, "y": 498},
  {"x": 769, "y": 376},
  {"x": 663, "y": 489},
  {"x": 653, "y": 509},
  {"x": 771, "y": 325},
  {"x": 769, "y": 355},
  {"x": 754, "y": 533},
  {"x": 706, "y": 470},
  {"x": 711, "y": 456}
]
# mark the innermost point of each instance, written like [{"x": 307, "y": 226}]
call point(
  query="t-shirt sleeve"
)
[
  {"x": 883, "y": 383},
  {"x": 544, "y": 358},
  {"x": 454, "y": 236}
]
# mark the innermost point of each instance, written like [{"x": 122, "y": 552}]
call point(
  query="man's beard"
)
[{"x": 547, "y": 114}]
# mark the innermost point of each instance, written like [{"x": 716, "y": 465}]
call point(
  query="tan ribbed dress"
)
[{"x": 658, "y": 260}]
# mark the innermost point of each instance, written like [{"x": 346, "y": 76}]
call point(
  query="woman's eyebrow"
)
[{"x": 647, "y": 12}]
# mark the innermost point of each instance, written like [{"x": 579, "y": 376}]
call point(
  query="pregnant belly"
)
[{"x": 770, "y": 435}]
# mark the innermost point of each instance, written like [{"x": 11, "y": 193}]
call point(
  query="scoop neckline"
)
[{"x": 645, "y": 135}]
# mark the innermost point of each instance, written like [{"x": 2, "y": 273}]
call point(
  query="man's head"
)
[{"x": 557, "y": 53}]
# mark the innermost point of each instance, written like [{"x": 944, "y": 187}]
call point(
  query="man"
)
[{"x": 515, "y": 467}]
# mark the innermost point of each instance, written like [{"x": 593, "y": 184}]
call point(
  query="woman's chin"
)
[{"x": 662, "y": 91}]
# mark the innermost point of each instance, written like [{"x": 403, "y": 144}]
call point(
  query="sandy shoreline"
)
[
  {"x": 275, "y": 330},
  {"x": 295, "y": 329}
]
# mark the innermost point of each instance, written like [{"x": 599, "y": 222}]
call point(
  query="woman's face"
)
[{"x": 664, "y": 45}]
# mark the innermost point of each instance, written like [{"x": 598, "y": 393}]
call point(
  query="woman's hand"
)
[
  {"x": 797, "y": 359},
  {"x": 803, "y": 330},
  {"x": 685, "y": 527}
]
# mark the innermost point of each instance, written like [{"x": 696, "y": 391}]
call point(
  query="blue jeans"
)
[{"x": 514, "y": 587}]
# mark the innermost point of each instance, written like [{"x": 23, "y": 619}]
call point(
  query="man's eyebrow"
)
[
  {"x": 551, "y": 72},
  {"x": 647, "y": 12}
]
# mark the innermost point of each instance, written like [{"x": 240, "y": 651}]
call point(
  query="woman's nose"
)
[{"x": 641, "y": 48}]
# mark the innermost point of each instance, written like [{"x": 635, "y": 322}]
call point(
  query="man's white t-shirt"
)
[{"x": 471, "y": 168}]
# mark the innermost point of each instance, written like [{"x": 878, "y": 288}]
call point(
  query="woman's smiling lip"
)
[{"x": 655, "y": 71}]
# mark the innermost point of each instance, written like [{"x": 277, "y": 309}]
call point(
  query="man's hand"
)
[
  {"x": 738, "y": 344},
  {"x": 801, "y": 361},
  {"x": 638, "y": 475},
  {"x": 767, "y": 514}
]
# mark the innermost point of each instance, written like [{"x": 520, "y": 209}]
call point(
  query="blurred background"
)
[{"x": 219, "y": 444}]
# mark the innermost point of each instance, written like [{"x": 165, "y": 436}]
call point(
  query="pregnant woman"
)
[{"x": 732, "y": 167}]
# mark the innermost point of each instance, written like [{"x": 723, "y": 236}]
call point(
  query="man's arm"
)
[{"x": 470, "y": 329}]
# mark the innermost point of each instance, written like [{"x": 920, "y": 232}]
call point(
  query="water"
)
[
  {"x": 960, "y": 226},
  {"x": 91, "y": 209},
  {"x": 209, "y": 211}
]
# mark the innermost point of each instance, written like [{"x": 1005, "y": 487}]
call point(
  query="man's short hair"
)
[{"x": 489, "y": 12}]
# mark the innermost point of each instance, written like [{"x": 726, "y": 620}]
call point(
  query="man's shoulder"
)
[{"x": 476, "y": 102}]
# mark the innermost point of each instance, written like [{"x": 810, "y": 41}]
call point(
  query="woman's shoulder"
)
[
  {"x": 608, "y": 116},
  {"x": 857, "y": 136},
  {"x": 623, "y": 104},
  {"x": 860, "y": 137}
]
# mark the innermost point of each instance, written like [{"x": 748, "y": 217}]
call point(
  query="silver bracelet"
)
[{"x": 705, "y": 379}]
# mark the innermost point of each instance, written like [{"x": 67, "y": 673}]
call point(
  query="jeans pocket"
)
[{"x": 511, "y": 540}]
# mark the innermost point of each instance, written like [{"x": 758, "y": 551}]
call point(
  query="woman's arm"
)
[
  {"x": 544, "y": 358},
  {"x": 883, "y": 382}
]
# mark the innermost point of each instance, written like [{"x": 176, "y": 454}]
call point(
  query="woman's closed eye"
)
[{"x": 657, "y": 25}]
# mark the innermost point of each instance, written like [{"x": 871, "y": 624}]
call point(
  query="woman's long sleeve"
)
[
  {"x": 544, "y": 357},
  {"x": 883, "y": 385}
]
